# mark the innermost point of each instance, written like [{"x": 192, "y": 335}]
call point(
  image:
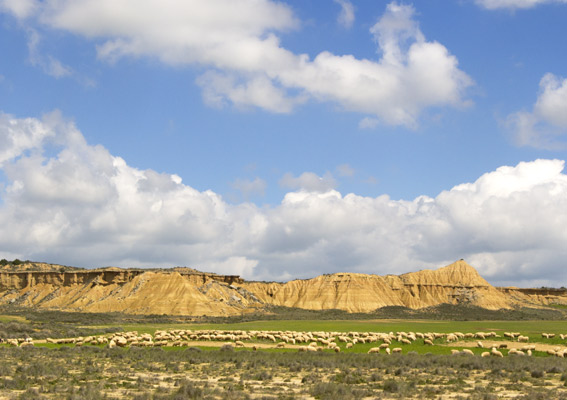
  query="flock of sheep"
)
[{"x": 308, "y": 341}]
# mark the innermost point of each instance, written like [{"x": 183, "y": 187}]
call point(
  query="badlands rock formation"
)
[{"x": 184, "y": 291}]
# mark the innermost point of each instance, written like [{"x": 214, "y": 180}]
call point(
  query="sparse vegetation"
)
[
  {"x": 202, "y": 370},
  {"x": 97, "y": 373}
]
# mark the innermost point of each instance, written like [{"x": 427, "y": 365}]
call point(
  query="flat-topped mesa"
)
[{"x": 32, "y": 274}]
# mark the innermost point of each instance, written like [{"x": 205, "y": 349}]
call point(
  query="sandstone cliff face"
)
[
  {"x": 182, "y": 291},
  {"x": 458, "y": 282}
]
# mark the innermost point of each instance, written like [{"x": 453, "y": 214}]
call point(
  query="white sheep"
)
[{"x": 496, "y": 353}]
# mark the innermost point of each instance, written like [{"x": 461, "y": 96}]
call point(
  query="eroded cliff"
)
[{"x": 184, "y": 291}]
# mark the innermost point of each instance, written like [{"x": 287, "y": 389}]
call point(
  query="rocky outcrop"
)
[
  {"x": 456, "y": 283},
  {"x": 544, "y": 296},
  {"x": 184, "y": 291}
]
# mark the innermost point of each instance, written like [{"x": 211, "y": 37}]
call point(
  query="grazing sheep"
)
[
  {"x": 388, "y": 350},
  {"x": 349, "y": 345},
  {"x": 503, "y": 346},
  {"x": 479, "y": 344},
  {"x": 467, "y": 352},
  {"x": 455, "y": 351},
  {"x": 337, "y": 349},
  {"x": 397, "y": 350},
  {"x": 374, "y": 350},
  {"x": 496, "y": 353},
  {"x": 485, "y": 354},
  {"x": 523, "y": 339},
  {"x": 428, "y": 342},
  {"x": 452, "y": 337},
  {"x": 280, "y": 345}
]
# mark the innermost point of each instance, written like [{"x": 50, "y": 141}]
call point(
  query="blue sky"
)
[{"x": 286, "y": 139}]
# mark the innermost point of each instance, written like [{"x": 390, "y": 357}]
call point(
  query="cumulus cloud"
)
[
  {"x": 515, "y": 4},
  {"x": 20, "y": 135},
  {"x": 238, "y": 43},
  {"x": 346, "y": 16},
  {"x": 546, "y": 125},
  {"x": 66, "y": 201}
]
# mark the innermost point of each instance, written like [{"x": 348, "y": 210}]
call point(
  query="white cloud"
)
[
  {"x": 19, "y": 8},
  {"x": 221, "y": 89},
  {"x": 551, "y": 104},
  {"x": 515, "y": 4},
  {"x": 67, "y": 201},
  {"x": 547, "y": 123},
  {"x": 308, "y": 181},
  {"x": 20, "y": 135},
  {"x": 238, "y": 43},
  {"x": 346, "y": 16}
]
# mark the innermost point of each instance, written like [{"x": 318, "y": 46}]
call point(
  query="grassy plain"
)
[
  {"x": 204, "y": 371},
  {"x": 533, "y": 328}
]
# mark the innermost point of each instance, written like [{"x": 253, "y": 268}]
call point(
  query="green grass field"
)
[{"x": 530, "y": 328}]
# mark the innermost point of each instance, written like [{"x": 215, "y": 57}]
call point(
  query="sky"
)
[{"x": 286, "y": 139}]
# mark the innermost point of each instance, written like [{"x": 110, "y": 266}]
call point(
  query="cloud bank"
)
[
  {"x": 546, "y": 125},
  {"x": 238, "y": 45},
  {"x": 66, "y": 201}
]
